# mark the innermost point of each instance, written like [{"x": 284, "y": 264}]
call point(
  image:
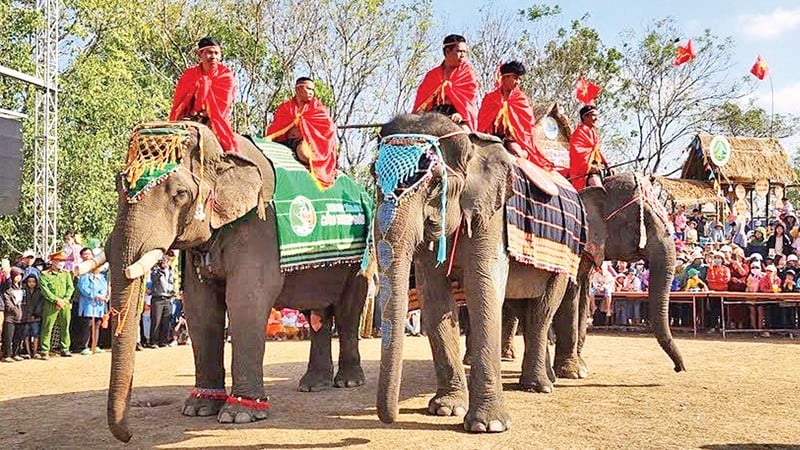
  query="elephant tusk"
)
[
  {"x": 90, "y": 264},
  {"x": 143, "y": 264}
]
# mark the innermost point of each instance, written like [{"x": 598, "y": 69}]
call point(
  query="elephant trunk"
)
[
  {"x": 662, "y": 264},
  {"x": 393, "y": 301},
  {"x": 126, "y": 294}
]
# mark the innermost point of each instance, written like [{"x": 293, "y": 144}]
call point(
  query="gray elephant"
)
[
  {"x": 211, "y": 205},
  {"x": 477, "y": 173},
  {"x": 618, "y": 214}
]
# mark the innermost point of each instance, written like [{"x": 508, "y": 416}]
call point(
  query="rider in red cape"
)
[
  {"x": 205, "y": 93},
  {"x": 303, "y": 124},
  {"x": 452, "y": 87},
  {"x": 586, "y": 161},
  {"x": 506, "y": 113}
]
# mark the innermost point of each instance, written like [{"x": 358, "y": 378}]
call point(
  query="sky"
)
[{"x": 770, "y": 28}]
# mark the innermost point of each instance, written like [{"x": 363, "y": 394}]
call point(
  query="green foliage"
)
[
  {"x": 731, "y": 119},
  {"x": 540, "y": 11}
]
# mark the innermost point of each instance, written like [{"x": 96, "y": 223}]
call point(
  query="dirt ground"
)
[{"x": 736, "y": 394}]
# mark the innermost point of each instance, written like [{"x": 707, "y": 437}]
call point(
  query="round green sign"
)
[{"x": 720, "y": 151}]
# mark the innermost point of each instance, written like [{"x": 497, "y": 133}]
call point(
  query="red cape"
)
[
  {"x": 461, "y": 90},
  {"x": 316, "y": 128},
  {"x": 514, "y": 116},
  {"x": 584, "y": 148},
  {"x": 211, "y": 93}
]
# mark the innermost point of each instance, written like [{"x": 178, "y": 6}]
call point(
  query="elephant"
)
[
  {"x": 477, "y": 172},
  {"x": 232, "y": 260},
  {"x": 615, "y": 216}
]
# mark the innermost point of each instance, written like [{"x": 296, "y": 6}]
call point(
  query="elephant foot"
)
[
  {"x": 204, "y": 402},
  {"x": 315, "y": 381},
  {"x": 570, "y": 368},
  {"x": 450, "y": 404},
  {"x": 584, "y": 368},
  {"x": 540, "y": 384},
  {"x": 349, "y": 376},
  {"x": 488, "y": 418},
  {"x": 243, "y": 410}
]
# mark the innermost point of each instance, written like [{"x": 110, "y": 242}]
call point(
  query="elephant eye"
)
[{"x": 181, "y": 195}]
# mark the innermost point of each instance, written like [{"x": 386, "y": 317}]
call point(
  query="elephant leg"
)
[
  {"x": 510, "y": 323},
  {"x": 584, "y": 307},
  {"x": 440, "y": 321},
  {"x": 485, "y": 277},
  {"x": 319, "y": 374},
  {"x": 348, "y": 313},
  {"x": 249, "y": 297},
  {"x": 205, "y": 313},
  {"x": 565, "y": 324},
  {"x": 538, "y": 318}
]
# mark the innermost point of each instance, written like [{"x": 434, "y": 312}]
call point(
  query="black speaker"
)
[{"x": 10, "y": 164}]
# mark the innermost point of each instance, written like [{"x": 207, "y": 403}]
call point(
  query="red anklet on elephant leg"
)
[
  {"x": 209, "y": 394},
  {"x": 252, "y": 403}
]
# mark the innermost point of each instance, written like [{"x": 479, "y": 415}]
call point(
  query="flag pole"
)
[{"x": 772, "y": 104}]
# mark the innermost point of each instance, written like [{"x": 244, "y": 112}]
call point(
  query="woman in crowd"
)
[
  {"x": 680, "y": 223},
  {"x": 779, "y": 241},
  {"x": 92, "y": 302},
  {"x": 31, "y": 315},
  {"x": 691, "y": 233},
  {"x": 718, "y": 273},
  {"x": 12, "y": 327},
  {"x": 758, "y": 243}
]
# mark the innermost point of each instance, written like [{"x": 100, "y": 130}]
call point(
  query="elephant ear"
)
[
  {"x": 594, "y": 198},
  {"x": 237, "y": 189},
  {"x": 487, "y": 182}
]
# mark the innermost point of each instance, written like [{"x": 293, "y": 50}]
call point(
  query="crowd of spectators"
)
[{"x": 712, "y": 255}]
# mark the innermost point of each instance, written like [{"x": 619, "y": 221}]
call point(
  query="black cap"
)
[{"x": 207, "y": 41}]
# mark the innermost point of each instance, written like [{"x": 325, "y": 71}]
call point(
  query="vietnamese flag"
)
[
  {"x": 760, "y": 69},
  {"x": 685, "y": 54},
  {"x": 587, "y": 91}
]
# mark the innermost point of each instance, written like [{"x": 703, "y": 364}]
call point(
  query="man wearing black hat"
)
[
  {"x": 586, "y": 161},
  {"x": 205, "y": 93}
]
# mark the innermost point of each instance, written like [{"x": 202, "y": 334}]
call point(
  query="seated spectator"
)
[
  {"x": 789, "y": 281},
  {"x": 717, "y": 233},
  {"x": 697, "y": 264},
  {"x": 780, "y": 264},
  {"x": 754, "y": 279},
  {"x": 792, "y": 262},
  {"x": 739, "y": 270},
  {"x": 693, "y": 282},
  {"x": 779, "y": 241},
  {"x": 275, "y": 329},
  {"x": 770, "y": 282},
  {"x": 700, "y": 222},
  {"x": 718, "y": 274},
  {"x": 757, "y": 243},
  {"x": 680, "y": 222},
  {"x": 692, "y": 235},
  {"x": 680, "y": 265}
]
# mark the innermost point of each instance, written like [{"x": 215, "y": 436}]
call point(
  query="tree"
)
[
  {"x": 731, "y": 119},
  {"x": 666, "y": 104}
]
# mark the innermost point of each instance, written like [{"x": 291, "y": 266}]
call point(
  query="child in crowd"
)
[
  {"x": 680, "y": 223},
  {"x": 691, "y": 233},
  {"x": 31, "y": 316},
  {"x": 693, "y": 282},
  {"x": 789, "y": 282},
  {"x": 12, "y": 321}
]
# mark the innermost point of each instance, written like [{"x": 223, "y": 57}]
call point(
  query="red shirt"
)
[
  {"x": 208, "y": 93},
  {"x": 584, "y": 150},
  {"x": 316, "y": 128},
  {"x": 718, "y": 277},
  {"x": 459, "y": 90}
]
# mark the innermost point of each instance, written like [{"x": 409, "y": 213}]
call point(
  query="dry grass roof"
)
[
  {"x": 751, "y": 159},
  {"x": 688, "y": 192}
]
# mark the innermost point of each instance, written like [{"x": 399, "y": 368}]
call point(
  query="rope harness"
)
[{"x": 400, "y": 158}]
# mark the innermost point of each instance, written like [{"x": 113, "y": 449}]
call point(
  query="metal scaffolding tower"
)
[{"x": 45, "y": 214}]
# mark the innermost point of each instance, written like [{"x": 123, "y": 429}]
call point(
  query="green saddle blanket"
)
[{"x": 316, "y": 227}]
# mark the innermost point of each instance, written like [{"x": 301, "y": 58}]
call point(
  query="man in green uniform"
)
[{"x": 57, "y": 288}]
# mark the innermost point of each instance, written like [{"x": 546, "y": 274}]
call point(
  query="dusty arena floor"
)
[{"x": 737, "y": 394}]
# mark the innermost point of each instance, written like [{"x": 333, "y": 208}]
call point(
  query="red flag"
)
[
  {"x": 760, "y": 69},
  {"x": 587, "y": 91},
  {"x": 685, "y": 54}
]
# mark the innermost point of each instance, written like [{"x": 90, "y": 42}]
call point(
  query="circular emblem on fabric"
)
[
  {"x": 302, "y": 216},
  {"x": 720, "y": 151},
  {"x": 740, "y": 191},
  {"x": 761, "y": 187},
  {"x": 550, "y": 127}
]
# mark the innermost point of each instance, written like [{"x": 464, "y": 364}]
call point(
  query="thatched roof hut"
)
[
  {"x": 751, "y": 159},
  {"x": 687, "y": 192},
  {"x": 551, "y": 134}
]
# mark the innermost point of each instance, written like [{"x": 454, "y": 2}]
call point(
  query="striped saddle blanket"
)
[{"x": 547, "y": 232}]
